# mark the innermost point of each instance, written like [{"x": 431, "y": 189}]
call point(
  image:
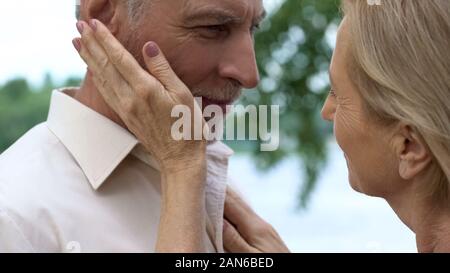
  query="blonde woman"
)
[{"x": 390, "y": 105}]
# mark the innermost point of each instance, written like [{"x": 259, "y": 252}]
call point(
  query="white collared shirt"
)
[{"x": 81, "y": 183}]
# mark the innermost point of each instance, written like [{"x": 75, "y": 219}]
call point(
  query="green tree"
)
[
  {"x": 16, "y": 89},
  {"x": 293, "y": 58},
  {"x": 23, "y": 106}
]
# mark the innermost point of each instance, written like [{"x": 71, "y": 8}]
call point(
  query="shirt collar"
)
[{"x": 98, "y": 144}]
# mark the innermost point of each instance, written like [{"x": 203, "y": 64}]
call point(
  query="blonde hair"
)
[{"x": 400, "y": 63}]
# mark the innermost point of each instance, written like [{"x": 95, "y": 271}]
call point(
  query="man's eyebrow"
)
[{"x": 219, "y": 16}]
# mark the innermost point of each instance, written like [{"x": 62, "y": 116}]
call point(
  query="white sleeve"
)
[{"x": 12, "y": 239}]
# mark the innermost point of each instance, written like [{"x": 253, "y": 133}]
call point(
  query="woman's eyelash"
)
[
  {"x": 332, "y": 93},
  {"x": 255, "y": 28}
]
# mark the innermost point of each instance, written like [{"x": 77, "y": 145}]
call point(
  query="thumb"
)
[
  {"x": 233, "y": 241},
  {"x": 160, "y": 68}
]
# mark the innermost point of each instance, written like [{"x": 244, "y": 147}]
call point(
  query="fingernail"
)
[
  {"x": 93, "y": 24},
  {"x": 77, "y": 44},
  {"x": 80, "y": 27},
  {"x": 152, "y": 50}
]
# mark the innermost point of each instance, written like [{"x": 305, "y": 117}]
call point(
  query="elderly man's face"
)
[{"x": 209, "y": 43}]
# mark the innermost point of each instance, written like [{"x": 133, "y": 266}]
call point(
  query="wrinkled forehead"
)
[{"x": 242, "y": 10}]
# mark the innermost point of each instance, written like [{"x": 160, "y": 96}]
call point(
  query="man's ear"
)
[
  {"x": 102, "y": 10},
  {"x": 412, "y": 152}
]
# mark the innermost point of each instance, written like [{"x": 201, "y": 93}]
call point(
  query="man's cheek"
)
[{"x": 193, "y": 71}]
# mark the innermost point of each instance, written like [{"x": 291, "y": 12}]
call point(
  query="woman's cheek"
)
[
  {"x": 340, "y": 132},
  {"x": 347, "y": 135}
]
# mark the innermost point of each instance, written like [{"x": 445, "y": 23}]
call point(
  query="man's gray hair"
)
[{"x": 134, "y": 8}]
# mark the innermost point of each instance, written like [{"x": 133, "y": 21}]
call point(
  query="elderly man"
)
[{"x": 81, "y": 181}]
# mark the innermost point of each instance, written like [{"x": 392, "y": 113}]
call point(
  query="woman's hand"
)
[
  {"x": 244, "y": 231},
  {"x": 144, "y": 101}
]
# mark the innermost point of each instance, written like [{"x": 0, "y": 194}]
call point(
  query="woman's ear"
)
[
  {"x": 102, "y": 10},
  {"x": 412, "y": 152}
]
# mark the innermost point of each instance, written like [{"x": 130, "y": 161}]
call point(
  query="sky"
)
[{"x": 36, "y": 38}]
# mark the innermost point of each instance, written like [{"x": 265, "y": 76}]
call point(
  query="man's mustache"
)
[{"x": 228, "y": 93}]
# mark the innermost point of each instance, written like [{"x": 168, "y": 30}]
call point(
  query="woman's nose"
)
[{"x": 328, "y": 110}]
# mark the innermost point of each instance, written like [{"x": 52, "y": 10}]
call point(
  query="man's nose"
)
[{"x": 239, "y": 63}]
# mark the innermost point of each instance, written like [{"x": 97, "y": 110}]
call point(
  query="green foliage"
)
[
  {"x": 22, "y": 107},
  {"x": 293, "y": 58}
]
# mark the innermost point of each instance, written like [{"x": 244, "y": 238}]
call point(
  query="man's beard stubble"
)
[{"x": 231, "y": 92}]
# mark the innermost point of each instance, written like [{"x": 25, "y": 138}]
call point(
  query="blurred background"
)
[{"x": 301, "y": 188}]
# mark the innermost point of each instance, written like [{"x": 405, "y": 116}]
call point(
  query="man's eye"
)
[
  {"x": 216, "y": 28},
  {"x": 213, "y": 31}
]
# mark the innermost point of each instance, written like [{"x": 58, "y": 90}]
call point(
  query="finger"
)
[
  {"x": 84, "y": 53},
  {"x": 102, "y": 67},
  {"x": 105, "y": 87},
  {"x": 123, "y": 61},
  {"x": 237, "y": 199},
  {"x": 240, "y": 214},
  {"x": 233, "y": 241},
  {"x": 160, "y": 68}
]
